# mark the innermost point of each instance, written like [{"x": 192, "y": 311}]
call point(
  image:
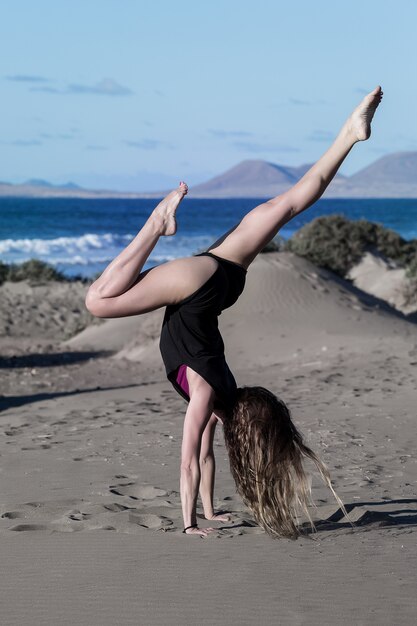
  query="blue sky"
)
[{"x": 137, "y": 95}]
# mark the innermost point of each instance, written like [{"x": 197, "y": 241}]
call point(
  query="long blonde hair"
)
[{"x": 266, "y": 454}]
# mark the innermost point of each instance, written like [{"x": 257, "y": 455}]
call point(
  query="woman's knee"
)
[{"x": 129, "y": 303}]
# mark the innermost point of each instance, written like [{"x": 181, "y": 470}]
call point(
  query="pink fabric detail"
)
[{"x": 182, "y": 379}]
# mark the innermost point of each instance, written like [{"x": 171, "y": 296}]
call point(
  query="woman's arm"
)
[
  {"x": 208, "y": 470},
  {"x": 197, "y": 416},
  {"x": 208, "y": 467}
]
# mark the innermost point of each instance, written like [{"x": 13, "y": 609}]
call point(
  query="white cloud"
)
[
  {"x": 24, "y": 143},
  {"x": 27, "y": 78},
  {"x": 106, "y": 87},
  {"x": 147, "y": 144}
]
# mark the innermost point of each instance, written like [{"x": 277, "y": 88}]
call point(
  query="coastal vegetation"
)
[
  {"x": 337, "y": 244},
  {"x": 34, "y": 271}
]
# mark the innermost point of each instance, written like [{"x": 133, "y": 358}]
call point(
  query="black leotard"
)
[{"x": 190, "y": 334}]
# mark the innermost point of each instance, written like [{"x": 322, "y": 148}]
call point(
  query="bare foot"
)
[
  {"x": 359, "y": 122},
  {"x": 164, "y": 213}
]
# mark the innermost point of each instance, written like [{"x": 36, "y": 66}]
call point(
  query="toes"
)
[{"x": 376, "y": 93}]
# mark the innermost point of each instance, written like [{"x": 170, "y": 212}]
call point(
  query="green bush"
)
[
  {"x": 276, "y": 245},
  {"x": 4, "y": 270},
  {"x": 33, "y": 270},
  {"x": 336, "y": 243},
  {"x": 412, "y": 269}
]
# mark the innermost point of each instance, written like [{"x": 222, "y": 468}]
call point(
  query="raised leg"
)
[
  {"x": 122, "y": 289},
  {"x": 120, "y": 274},
  {"x": 259, "y": 226}
]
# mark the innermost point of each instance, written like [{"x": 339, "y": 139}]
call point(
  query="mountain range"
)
[{"x": 391, "y": 176}]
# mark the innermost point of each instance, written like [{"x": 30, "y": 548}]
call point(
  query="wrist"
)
[{"x": 188, "y": 527}]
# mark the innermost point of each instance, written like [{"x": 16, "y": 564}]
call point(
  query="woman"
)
[{"x": 266, "y": 450}]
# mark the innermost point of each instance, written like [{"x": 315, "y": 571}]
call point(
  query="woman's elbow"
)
[{"x": 94, "y": 304}]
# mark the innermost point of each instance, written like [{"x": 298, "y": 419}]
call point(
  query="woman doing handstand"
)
[{"x": 266, "y": 451}]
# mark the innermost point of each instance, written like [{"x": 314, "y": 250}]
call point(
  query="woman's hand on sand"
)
[
  {"x": 203, "y": 532},
  {"x": 219, "y": 517}
]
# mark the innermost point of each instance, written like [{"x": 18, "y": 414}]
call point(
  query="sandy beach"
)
[{"x": 90, "y": 516}]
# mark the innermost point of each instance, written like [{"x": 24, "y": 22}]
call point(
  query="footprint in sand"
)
[
  {"x": 151, "y": 521},
  {"x": 116, "y": 508},
  {"x": 12, "y": 515},
  {"x": 137, "y": 492},
  {"x": 78, "y": 516},
  {"x": 23, "y": 527}
]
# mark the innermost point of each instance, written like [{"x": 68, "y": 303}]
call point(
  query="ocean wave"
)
[
  {"x": 91, "y": 252},
  {"x": 89, "y": 241},
  {"x": 79, "y": 260}
]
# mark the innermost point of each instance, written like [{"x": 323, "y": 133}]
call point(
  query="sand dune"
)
[
  {"x": 284, "y": 296},
  {"x": 91, "y": 443},
  {"x": 115, "y": 334},
  {"x": 53, "y": 310},
  {"x": 383, "y": 279}
]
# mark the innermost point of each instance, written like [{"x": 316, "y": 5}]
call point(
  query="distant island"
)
[{"x": 392, "y": 176}]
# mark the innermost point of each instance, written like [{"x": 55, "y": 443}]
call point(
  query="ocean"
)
[{"x": 81, "y": 236}]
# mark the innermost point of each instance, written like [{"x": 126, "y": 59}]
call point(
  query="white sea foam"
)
[
  {"x": 93, "y": 251},
  {"x": 89, "y": 241}
]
